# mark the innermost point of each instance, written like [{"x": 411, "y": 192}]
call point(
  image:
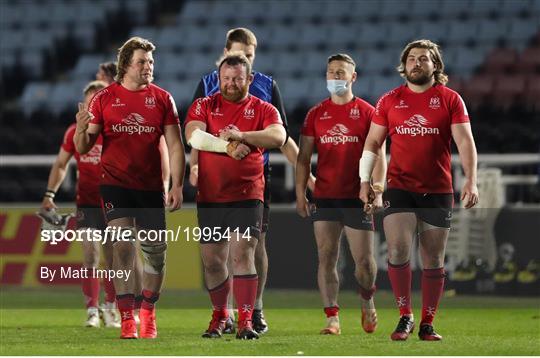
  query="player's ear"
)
[
  {"x": 225, "y": 51},
  {"x": 250, "y": 78},
  {"x": 354, "y": 77}
]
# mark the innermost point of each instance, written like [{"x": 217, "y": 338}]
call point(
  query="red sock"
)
[
  {"x": 331, "y": 311},
  {"x": 245, "y": 293},
  {"x": 401, "y": 280},
  {"x": 90, "y": 288},
  {"x": 110, "y": 292},
  {"x": 149, "y": 299},
  {"x": 125, "y": 305},
  {"x": 219, "y": 295},
  {"x": 432, "y": 289},
  {"x": 367, "y": 294}
]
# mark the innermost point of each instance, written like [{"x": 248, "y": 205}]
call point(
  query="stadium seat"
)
[
  {"x": 521, "y": 31},
  {"x": 170, "y": 66},
  {"x": 333, "y": 10},
  {"x": 508, "y": 90},
  {"x": 313, "y": 36},
  {"x": 456, "y": 83},
  {"x": 529, "y": 61},
  {"x": 464, "y": 60},
  {"x": 532, "y": 91},
  {"x": 455, "y": 8},
  {"x": 87, "y": 66},
  {"x": 12, "y": 40},
  {"x": 267, "y": 63},
  {"x": 12, "y": 15},
  {"x": 491, "y": 31},
  {"x": 514, "y": 8},
  {"x": 377, "y": 61},
  {"x": 171, "y": 38},
  {"x": 341, "y": 36},
  {"x": 379, "y": 85},
  {"x": 425, "y": 8},
  {"x": 307, "y": 9},
  {"x": 64, "y": 95},
  {"x": 434, "y": 31},
  {"x": 147, "y": 32},
  {"x": 371, "y": 34},
  {"x": 314, "y": 65},
  {"x": 182, "y": 93},
  {"x": 366, "y": 9},
  {"x": 401, "y": 33},
  {"x": 461, "y": 32},
  {"x": 35, "y": 95},
  {"x": 7, "y": 59},
  {"x": 199, "y": 64},
  {"x": 283, "y": 36},
  {"x": 477, "y": 89},
  {"x": 501, "y": 60},
  {"x": 33, "y": 62},
  {"x": 483, "y": 8},
  {"x": 288, "y": 66},
  {"x": 193, "y": 11},
  {"x": 394, "y": 9}
]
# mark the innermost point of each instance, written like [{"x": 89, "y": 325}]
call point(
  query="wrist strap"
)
[
  {"x": 49, "y": 194},
  {"x": 378, "y": 187}
]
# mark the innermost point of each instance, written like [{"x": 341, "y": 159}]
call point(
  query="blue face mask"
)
[{"x": 337, "y": 87}]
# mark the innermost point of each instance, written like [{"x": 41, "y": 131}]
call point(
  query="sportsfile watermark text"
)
[{"x": 114, "y": 234}]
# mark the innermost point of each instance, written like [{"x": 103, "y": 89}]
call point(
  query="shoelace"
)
[
  {"x": 403, "y": 324},
  {"x": 427, "y": 329}
]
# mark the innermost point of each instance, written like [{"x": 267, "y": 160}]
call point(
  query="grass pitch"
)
[{"x": 41, "y": 322}]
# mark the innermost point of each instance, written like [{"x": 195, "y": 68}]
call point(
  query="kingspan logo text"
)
[
  {"x": 416, "y": 125},
  {"x": 133, "y": 124},
  {"x": 337, "y": 135}
]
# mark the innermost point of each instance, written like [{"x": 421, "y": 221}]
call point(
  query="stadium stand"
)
[{"x": 50, "y": 48}]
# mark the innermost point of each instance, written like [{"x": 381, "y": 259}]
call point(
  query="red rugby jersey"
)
[
  {"x": 133, "y": 122},
  {"x": 419, "y": 127},
  {"x": 221, "y": 178},
  {"x": 89, "y": 169},
  {"x": 340, "y": 132}
]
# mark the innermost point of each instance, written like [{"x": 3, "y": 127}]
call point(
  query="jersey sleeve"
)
[
  {"x": 197, "y": 111},
  {"x": 96, "y": 108},
  {"x": 369, "y": 113},
  {"x": 67, "y": 143},
  {"x": 271, "y": 115},
  {"x": 308, "y": 129},
  {"x": 379, "y": 114},
  {"x": 171, "y": 112},
  {"x": 458, "y": 110}
]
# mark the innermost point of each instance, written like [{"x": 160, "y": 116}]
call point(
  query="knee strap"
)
[{"x": 154, "y": 257}]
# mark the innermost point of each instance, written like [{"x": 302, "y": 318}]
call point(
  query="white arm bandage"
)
[
  {"x": 367, "y": 163},
  {"x": 205, "y": 141}
]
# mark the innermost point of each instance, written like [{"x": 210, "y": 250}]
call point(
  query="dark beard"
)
[
  {"x": 420, "y": 80},
  {"x": 236, "y": 97}
]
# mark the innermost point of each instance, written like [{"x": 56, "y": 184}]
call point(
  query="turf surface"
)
[{"x": 43, "y": 322}]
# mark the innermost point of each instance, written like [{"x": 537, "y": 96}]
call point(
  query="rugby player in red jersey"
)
[
  {"x": 338, "y": 127},
  {"x": 89, "y": 215},
  {"x": 421, "y": 118},
  {"x": 231, "y": 129},
  {"x": 107, "y": 72},
  {"x": 132, "y": 114},
  {"x": 265, "y": 88}
]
